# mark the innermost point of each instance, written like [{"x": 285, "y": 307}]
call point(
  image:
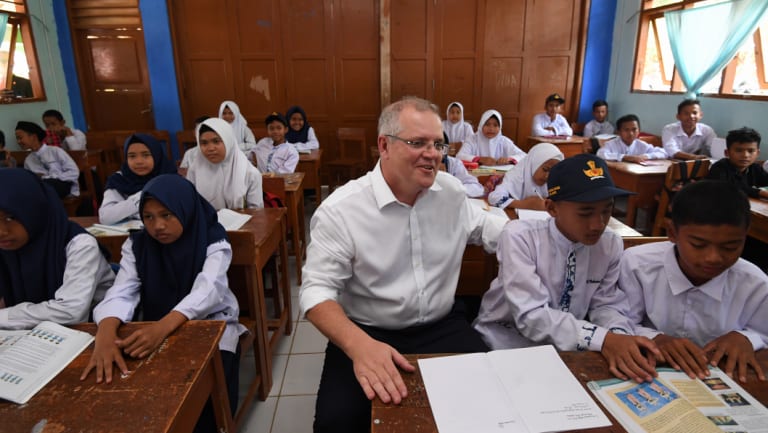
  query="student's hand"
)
[
  {"x": 626, "y": 360},
  {"x": 552, "y": 129},
  {"x": 66, "y": 131},
  {"x": 683, "y": 354},
  {"x": 487, "y": 160},
  {"x": 635, "y": 158},
  {"x": 375, "y": 365},
  {"x": 143, "y": 341},
  {"x": 105, "y": 352},
  {"x": 504, "y": 160},
  {"x": 740, "y": 354}
]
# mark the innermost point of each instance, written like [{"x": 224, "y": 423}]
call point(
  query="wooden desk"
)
[
  {"x": 253, "y": 245},
  {"x": 570, "y": 146},
  {"x": 415, "y": 415},
  {"x": 309, "y": 164},
  {"x": 758, "y": 228},
  {"x": 165, "y": 392},
  {"x": 646, "y": 181}
]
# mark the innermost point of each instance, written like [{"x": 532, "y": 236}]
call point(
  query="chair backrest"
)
[
  {"x": 352, "y": 145},
  {"x": 19, "y": 156},
  {"x": 186, "y": 140},
  {"x": 274, "y": 185},
  {"x": 640, "y": 240},
  {"x": 678, "y": 175}
]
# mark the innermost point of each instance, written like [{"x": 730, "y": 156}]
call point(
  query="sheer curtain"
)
[
  {"x": 705, "y": 39},
  {"x": 3, "y": 22}
]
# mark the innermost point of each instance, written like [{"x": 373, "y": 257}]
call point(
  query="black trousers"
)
[
  {"x": 341, "y": 404},
  {"x": 231, "y": 363}
]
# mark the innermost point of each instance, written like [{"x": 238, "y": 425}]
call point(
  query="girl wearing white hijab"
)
[
  {"x": 454, "y": 126},
  {"x": 487, "y": 146},
  {"x": 230, "y": 112},
  {"x": 221, "y": 173},
  {"x": 525, "y": 185}
]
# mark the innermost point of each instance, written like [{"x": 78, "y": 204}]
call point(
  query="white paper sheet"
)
[{"x": 232, "y": 220}]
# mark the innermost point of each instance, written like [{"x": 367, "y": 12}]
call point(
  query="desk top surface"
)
[
  {"x": 640, "y": 170},
  {"x": 293, "y": 181},
  {"x": 150, "y": 397},
  {"x": 759, "y": 207},
  {"x": 313, "y": 155},
  {"x": 557, "y": 139}
]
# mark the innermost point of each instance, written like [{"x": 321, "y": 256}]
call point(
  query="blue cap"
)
[{"x": 582, "y": 178}]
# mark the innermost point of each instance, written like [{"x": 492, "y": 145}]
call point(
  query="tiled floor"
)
[{"x": 297, "y": 365}]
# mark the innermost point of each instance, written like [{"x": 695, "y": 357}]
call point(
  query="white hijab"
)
[
  {"x": 239, "y": 125},
  {"x": 519, "y": 179},
  {"x": 224, "y": 185},
  {"x": 453, "y": 130},
  {"x": 485, "y": 145}
]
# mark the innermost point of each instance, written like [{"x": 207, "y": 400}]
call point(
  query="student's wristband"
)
[{"x": 476, "y": 159}]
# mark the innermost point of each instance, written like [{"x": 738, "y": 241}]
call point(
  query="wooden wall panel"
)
[
  {"x": 550, "y": 25},
  {"x": 412, "y": 62},
  {"x": 210, "y": 95},
  {"x": 259, "y": 88}
]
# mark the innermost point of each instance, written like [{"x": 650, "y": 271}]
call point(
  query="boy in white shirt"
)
[
  {"x": 557, "y": 277},
  {"x": 551, "y": 122},
  {"x": 274, "y": 154},
  {"x": 688, "y": 138},
  {"x": 626, "y": 147},
  {"x": 59, "y": 134},
  {"x": 693, "y": 295},
  {"x": 600, "y": 124},
  {"x": 52, "y": 164}
]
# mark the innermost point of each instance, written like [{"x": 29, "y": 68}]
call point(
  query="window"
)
[
  {"x": 745, "y": 76},
  {"x": 19, "y": 73}
]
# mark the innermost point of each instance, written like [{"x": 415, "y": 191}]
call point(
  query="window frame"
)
[
  {"x": 21, "y": 23},
  {"x": 648, "y": 14}
]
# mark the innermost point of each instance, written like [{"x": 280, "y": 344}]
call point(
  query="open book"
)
[
  {"x": 673, "y": 402},
  {"x": 122, "y": 227},
  {"x": 515, "y": 390},
  {"x": 30, "y": 359}
]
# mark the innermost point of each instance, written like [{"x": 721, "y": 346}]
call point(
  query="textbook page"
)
[
  {"x": 28, "y": 361},
  {"x": 112, "y": 229},
  {"x": 673, "y": 402},
  {"x": 504, "y": 167},
  {"x": 529, "y": 214},
  {"x": 515, "y": 390},
  {"x": 232, "y": 220}
]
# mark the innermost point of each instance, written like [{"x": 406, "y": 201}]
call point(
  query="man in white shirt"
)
[
  {"x": 382, "y": 268},
  {"x": 687, "y": 138}
]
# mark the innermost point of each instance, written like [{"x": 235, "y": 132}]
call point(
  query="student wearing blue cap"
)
[{"x": 557, "y": 277}]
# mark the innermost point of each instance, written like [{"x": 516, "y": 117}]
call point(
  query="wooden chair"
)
[
  {"x": 19, "y": 156},
  {"x": 276, "y": 186},
  {"x": 640, "y": 240},
  {"x": 87, "y": 188},
  {"x": 352, "y": 156},
  {"x": 259, "y": 132},
  {"x": 678, "y": 175},
  {"x": 186, "y": 140}
]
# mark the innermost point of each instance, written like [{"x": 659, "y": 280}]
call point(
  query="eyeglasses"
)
[{"x": 422, "y": 145}]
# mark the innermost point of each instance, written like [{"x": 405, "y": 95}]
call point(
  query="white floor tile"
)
[
  {"x": 308, "y": 339},
  {"x": 284, "y": 343},
  {"x": 295, "y": 414},
  {"x": 295, "y": 310},
  {"x": 261, "y": 417},
  {"x": 279, "y": 362},
  {"x": 302, "y": 376}
]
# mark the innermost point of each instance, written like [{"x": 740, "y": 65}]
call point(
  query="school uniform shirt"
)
[
  {"x": 388, "y": 264},
  {"x": 54, "y": 163},
  {"x": 749, "y": 181},
  {"x": 593, "y": 128},
  {"x": 663, "y": 300},
  {"x": 542, "y": 120},
  {"x": 282, "y": 158},
  {"x": 676, "y": 140},
  {"x": 470, "y": 183},
  {"x": 478, "y": 144},
  {"x": 189, "y": 156},
  {"x": 615, "y": 150},
  {"x": 460, "y": 131},
  {"x": 209, "y": 299},
  {"x": 518, "y": 182},
  {"x": 521, "y": 308},
  {"x": 308, "y": 145},
  {"x": 76, "y": 141},
  {"x": 304, "y": 139},
  {"x": 87, "y": 277}
]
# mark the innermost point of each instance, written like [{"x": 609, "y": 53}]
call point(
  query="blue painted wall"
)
[{"x": 597, "y": 64}]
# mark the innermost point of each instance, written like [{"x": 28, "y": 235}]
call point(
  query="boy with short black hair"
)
[
  {"x": 274, "y": 154},
  {"x": 59, "y": 134},
  {"x": 688, "y": 138},
  {"x": 693, "y": 295},
  {"x": 551, "y": 122},
  {"x": 557, "y": 277},
  {"x": 739, "y": 166},
  {"x": 52, "y": 164},
  {"x": 599, "y": 125},
  {"x": 626, "y": 147}
]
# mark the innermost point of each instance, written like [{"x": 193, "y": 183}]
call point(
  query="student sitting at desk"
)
[
  {"x": 599, "y": 125},
  {"x": 230, "y": 112},
  {"x": 739, "y": 166},
  {"x": 525, "y": 185},
  {"x": 551, "y": 122},
  {"x": 693, "y": 295},
  {"x": 557, "y": 277},
  {"x": 300, "y": 134},
  {"x": 688, "y": 138},
  {"x": 222, "y": 174},
  {"x": 488, "y": 146},
  {"x": 173, "y": 270},
  {"x": 455, "y": 127},
  {"x": 52, "y": 164},
  {"x": 274, "y": 154},
  {"x": 456, "y": 168},
  {"x": 626, "y": 147},
  {"x": 50, "y": 268},
  {"x": 143, "y": 159},
  {"x": 59, "y": 134},
  {"x": 193, "y": 152}
]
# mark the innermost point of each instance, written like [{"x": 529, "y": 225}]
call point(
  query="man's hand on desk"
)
[
  {"x": 625, "y": 357},
  {"x": 375, "y": 364},
  {"x": 683, "y": 354},
  {"x": 739, "y": 351}
]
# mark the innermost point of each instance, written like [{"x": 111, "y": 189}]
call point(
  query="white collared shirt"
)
[
  {"x": 115, "y": 207},
  {"x": 615, "y": 150},
  {"x": 593, "y": 128},
  {"x": 311, "y": 142},
  {"x": 284, "y": 158},
  {"x": 51, "y": 162},
  {"x": 542, "y": 120},
  {"x": 676, "y": 140},
  {"x": 663, "y": 300},
  {"x": 389, "y": 264},
  {"x": 522, "y": 306},
  {"x": 471, "y": 185},
  {"x": 76, "y": 141},
  {"x": 209, "y": 299},
  {"x": 87, "y": 277}
]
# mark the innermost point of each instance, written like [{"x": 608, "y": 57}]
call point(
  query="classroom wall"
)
[
  {"x": 49, "y": 62},
  {"x": 655, "y": 111}
]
